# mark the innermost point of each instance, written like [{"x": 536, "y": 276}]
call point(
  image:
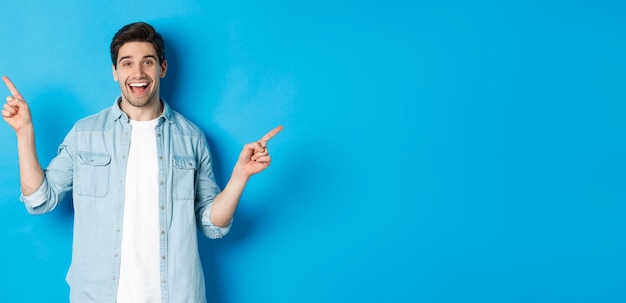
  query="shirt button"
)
[
  {"x": 163, "y": 232},
  {"x": 163, "y": 258}
]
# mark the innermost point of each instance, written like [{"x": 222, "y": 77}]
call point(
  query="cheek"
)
[{"x": 121, "y": 77}]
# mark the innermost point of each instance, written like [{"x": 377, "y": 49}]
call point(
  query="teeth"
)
[{"x": 139, "y": 84}]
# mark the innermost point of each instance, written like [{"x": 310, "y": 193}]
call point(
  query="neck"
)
[{"x": 150, "y": 111}]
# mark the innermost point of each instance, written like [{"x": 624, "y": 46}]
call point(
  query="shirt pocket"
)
[
  {"x": 92, "y": 174},
  {"x": 184, "y": 177}
]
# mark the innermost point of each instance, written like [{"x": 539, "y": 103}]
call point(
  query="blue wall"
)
[{"x": 433, "y": 151}]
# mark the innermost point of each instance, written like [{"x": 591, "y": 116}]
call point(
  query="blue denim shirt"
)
[{"x": 91, "y": 163}]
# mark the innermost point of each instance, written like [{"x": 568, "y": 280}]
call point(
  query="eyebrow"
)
[{"x": 144, "y": 57}]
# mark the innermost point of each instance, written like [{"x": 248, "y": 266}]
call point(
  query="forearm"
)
[
  {"x": 226, "y": 202},
  {"x": 31, "y": 173}
]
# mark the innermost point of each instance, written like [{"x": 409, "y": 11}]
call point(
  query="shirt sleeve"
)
[
  {"x": 211, "y": 230},
  {"x": 36, "y": 199},
  {"x": 206, "y": 190},
  {"x": 57, "y": 181}
]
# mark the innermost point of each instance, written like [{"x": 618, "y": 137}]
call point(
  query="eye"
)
[
  {"x": 148, "y": 62},
  {"x": 126, "y": 63}
]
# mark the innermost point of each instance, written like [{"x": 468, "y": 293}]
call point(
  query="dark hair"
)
[{"x": 137, "y": 32}]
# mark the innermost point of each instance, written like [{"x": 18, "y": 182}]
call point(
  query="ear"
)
[
  {"x": 163, "y": 68},
  {"x": 114, "y": 72}
]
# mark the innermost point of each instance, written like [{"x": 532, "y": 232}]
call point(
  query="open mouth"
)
[{"x": 138, "y": 88}]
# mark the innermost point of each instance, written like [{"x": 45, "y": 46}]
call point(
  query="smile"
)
[{"x": 138, "y": 87}]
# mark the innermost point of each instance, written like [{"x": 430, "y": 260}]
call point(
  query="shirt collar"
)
[{"x": 117, "y": 113}]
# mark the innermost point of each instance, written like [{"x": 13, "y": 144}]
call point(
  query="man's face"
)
[{"x": 139, "y": 73}]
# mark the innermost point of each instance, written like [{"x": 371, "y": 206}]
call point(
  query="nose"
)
[{"x": 138, "y": 70}]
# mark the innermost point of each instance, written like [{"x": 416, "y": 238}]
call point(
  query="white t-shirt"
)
[{"x": 140, "y": 265}]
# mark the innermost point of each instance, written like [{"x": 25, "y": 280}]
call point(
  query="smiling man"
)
[
  {"x": 141, "y": 179},
  {"x": 137, "y": 67}
]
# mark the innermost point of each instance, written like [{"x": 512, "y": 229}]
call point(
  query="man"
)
[{"x": 141, "y": 179}]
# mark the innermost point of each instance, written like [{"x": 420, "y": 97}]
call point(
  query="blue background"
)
[{"x": 433, "y": 151}]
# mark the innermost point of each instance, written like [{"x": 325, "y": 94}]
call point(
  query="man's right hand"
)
[{"x": 16, "y": 112}]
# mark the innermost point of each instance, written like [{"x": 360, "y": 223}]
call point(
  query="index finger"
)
[
  {"x": 11, "y": 87},
  {"x": 271, "y": 133}
]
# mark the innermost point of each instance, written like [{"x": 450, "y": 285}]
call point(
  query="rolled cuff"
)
[
  {"x": 37, "y": 198},
  {"x": 211, "y": 230}
]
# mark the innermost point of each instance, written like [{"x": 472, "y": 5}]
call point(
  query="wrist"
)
[
  {"x": 26, "y": 128},
  {"x": 26, "y": 132},
  {"x": 240, "y": 174}
]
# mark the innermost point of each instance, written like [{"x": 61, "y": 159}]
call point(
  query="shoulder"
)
[
  {"x": 97, "y": 121},
  {"x": 185, "y": 135},
  {"x": 183, "y": 126}
]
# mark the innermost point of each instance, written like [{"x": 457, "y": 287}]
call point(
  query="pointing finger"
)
[
  {"x": 271, "y": 134},
  {"x": 11, "y": 87}
]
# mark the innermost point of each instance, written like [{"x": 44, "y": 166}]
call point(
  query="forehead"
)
[{"x": 136, "y": 49}]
